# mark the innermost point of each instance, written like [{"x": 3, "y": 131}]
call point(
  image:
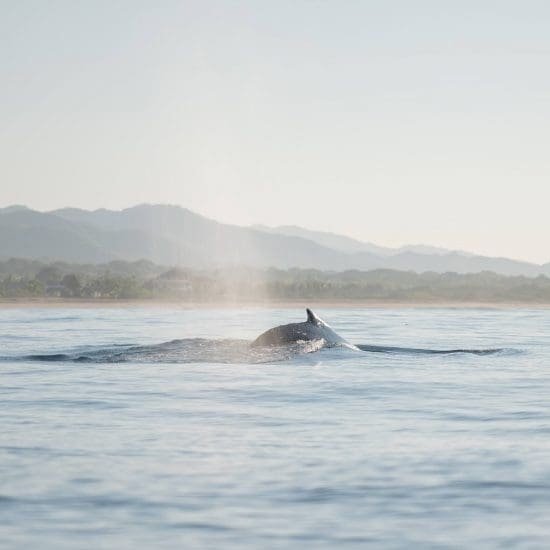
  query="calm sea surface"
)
[{"x": 160, "y": 428}]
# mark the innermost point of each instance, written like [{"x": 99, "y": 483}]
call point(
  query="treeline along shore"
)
[{"x": 143, "y": 280}]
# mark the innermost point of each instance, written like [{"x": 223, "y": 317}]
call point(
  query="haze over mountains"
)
[
  {"x": 347, "y": 244},
  {"x": 171, "y": 235}
]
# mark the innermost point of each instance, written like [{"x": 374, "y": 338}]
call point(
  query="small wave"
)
[
  {"x": 47, "y": 357},
  {"x": 203, "y": 350},
  {"x": 427, "y": 351},
  {"x": 189, "y": 350}
]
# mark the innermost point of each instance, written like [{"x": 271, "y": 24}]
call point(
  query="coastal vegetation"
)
[{"x": 122, "y": 280}]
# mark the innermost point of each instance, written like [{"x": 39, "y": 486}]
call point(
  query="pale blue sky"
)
[{"x": 391, "y": 121}]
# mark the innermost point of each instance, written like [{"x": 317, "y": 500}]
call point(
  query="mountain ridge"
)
[
  {"x": 173, "y": 235},
  {"x": 350, "y": 244}
]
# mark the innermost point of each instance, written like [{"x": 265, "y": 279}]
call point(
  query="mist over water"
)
[{"x": 162, "y": 428}]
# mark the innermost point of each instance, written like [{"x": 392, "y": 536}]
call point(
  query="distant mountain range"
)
[
  {"x": 349, "y": 245},
  {"x": 171, "y": 235}
]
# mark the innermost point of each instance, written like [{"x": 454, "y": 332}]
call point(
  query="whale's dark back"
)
[
  {"x": 285, "y": 334},
  {"x": 312, "y": 329}
]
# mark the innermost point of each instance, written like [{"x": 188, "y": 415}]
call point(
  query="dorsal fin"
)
[{"x": 312, "y": 318}]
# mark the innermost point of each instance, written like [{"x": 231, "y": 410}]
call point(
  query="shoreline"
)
[{"x": 14, "y": 303}]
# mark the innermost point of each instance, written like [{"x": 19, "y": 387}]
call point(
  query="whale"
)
[{"x": 313, "y": 328}]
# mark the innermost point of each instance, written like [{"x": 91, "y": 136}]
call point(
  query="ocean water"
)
[{"x": 161, "y": 428}]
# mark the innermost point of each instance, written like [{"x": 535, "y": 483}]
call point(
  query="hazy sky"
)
[{"x": 391, "y": 121}]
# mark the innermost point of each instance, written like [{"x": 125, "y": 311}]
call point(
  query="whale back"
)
[{"x": 313, "y": 328}]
